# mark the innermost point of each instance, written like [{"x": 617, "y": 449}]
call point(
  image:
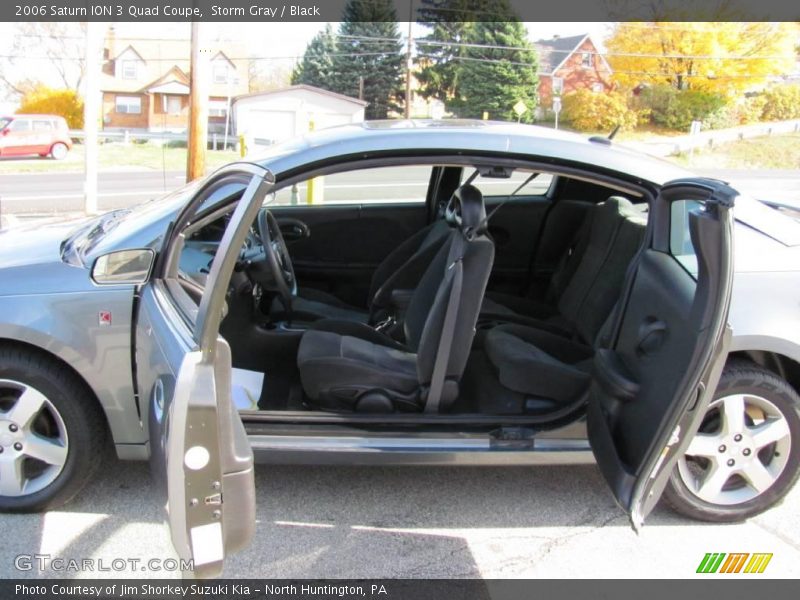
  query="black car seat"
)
[
  {"x": 542, "y": 369},
  {"x": 401, "y": 270},
  {"x": 350, "y": 366}
]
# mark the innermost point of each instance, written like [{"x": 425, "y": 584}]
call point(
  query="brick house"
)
[
  {"x": 568, "y": 64},
  {"x": 145, "y": 84}
]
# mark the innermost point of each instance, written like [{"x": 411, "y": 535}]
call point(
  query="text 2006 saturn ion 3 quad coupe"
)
[{"x": 467, "y": 293}]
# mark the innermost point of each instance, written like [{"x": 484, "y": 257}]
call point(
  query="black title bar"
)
[
  {"x": 272, "y": 11},
  {"x": 398, "y": 589}
]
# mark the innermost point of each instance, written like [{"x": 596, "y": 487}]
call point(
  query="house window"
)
[
  {"x": 130, "y": 69},
  {"x": 558, "y": 85},
  {"x": 172, "y": 105},
  {"x": 598, "y": 87},
  {"x": 131, "y": 105},
  {"x": 220, "y": 72},
  {"x": 586, "y": 59},
  {"x": 217, "y": 108}
]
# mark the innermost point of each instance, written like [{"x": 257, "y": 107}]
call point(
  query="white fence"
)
[{"x": 670, "y": 146}]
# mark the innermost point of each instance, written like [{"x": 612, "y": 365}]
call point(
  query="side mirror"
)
[
  {"x": 123, "y": 267},
  {"x": 4, "y": 132}
]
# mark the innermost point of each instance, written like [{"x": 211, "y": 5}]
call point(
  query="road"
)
[
  {"x": 38, "y": 193},
  {"x": 555, "y": 522}
]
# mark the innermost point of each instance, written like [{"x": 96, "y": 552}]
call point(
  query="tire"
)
[
  {"x": 69, "y": 421},
  {"x": 765, "y": 395},
  {"x": 59, "y": 151}
]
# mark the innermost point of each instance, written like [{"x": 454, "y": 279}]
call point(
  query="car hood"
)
[{"x": 30, "y": 260}]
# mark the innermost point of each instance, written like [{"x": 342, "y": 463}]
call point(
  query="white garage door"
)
[{"x": 272, "y": 124}]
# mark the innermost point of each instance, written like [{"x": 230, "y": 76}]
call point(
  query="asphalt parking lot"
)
[{"x": 346, "y": 522}]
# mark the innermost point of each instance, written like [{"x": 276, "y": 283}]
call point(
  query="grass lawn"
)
[
  {"x": 115, "y": 157},
  {"x": 768, "y": 152}
]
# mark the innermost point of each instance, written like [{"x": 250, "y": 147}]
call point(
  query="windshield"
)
[{"x": 3, "y": 122}]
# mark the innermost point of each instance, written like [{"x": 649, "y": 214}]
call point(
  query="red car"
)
[{"x": 45, "y": 135}]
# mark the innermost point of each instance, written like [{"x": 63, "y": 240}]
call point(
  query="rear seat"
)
[
  {"x": 562, "y": 245},
  {"x": 544, "y": 368},
  {"x": 574, "y": 277}
]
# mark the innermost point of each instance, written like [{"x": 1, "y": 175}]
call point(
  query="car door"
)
[
  {"x": 200, "y": 454},
  {"x": 340, "y": 227},
  {"x": 659, "y": 361},
  {"x": 18, "y": 139}
]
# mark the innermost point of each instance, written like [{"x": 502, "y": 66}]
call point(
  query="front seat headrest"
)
[{"x": 466, "y": 210}]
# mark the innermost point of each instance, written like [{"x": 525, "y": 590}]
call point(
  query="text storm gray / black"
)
[{"x": 268, "y": 12}]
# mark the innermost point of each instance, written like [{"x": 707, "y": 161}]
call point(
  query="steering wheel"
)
[{"x": 277, "y": 257}]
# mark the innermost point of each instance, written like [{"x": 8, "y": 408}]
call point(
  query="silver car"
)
[{"x": 451, "y": 292}]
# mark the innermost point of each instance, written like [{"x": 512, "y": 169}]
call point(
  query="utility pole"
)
[
  {"x": 409, "y": 42},
  {"x": 91, "y": 111},
  {"x": 199, "y": 87}
]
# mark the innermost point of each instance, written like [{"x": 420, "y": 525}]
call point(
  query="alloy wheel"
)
[
  {"x": 739, "y": 452},
  {"x": 33, "y": 440}
]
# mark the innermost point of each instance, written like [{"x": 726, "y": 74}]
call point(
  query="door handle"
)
[{"x": 293, "y": 229}]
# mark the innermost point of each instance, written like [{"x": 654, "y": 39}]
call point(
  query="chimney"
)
[{"x": 110, "y": 50}]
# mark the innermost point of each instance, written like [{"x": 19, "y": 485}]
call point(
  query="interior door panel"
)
[
  {"x": 345, "y": 243},
  {"x": 655, "y": 372}
]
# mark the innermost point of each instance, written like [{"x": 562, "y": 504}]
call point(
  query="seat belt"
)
[{"x": 456, "y": 271}]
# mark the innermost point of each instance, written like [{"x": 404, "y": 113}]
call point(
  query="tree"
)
[
  {"x": 725, "y": 57},
  {"x": 438, "y": 52},
  {"x": 63, "y": 102},
  {"x": 267, "y": 77},
  {"x": 368, "y": 56},
  {"x": 498, "y": 70},
  {"x": 317, "y": 68},
  {"x": 59, "y": 52}
]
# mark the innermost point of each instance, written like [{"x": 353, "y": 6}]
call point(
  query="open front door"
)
[
  {"x": 199, "y": 448},
  {"x": 656, "y": 368}
]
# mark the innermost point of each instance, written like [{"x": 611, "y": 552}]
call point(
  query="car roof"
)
[
  {"x": 468, "y": 137},
  {"x": 31, "y": 116}
]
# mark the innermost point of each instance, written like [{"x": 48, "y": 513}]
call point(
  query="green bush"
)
[
  {"x": 781, "y": 103},
  {"x": 676, "y": 109},
  {"x": 596, "y": 111}
]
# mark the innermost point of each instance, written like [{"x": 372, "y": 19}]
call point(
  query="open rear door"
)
[
  {"x": 199, "y": 448},
  {"x": 657, "y": 366}
]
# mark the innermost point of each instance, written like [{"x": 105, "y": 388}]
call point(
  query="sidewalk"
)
[{"x": 663, "y": 146}]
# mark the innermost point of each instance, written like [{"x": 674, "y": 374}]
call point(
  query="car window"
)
[
  {"x": 20, "y": 125},
  {"x": 4, "y": 122},
  {"x": 680, "y": 239},
  {"x": 492, "y": 187},
  {"x": 382, "y": 185},
  {"x": 42, "y": 125}
]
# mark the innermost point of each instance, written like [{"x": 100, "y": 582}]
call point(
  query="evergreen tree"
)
[
  {"x": 317, "y": 67},
  {"x": 492, "y": 76},
  {"x": 438, "y": 52},
  {"x": 369, "y": 55}
]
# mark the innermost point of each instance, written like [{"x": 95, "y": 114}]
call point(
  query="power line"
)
[{"x": 642, "y": 73}]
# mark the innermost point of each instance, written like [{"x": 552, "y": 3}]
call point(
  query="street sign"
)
[
  {"x": 520, "y": 108},
  {"x": 557, "y": 104}
]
